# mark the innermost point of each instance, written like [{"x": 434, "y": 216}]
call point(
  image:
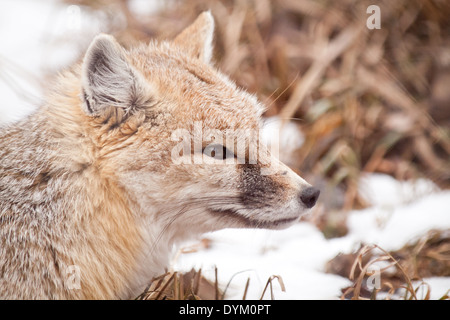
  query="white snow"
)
[
  {"x": 283, "y": 138},
  {"x": 439, "y": 287},
  {"x": 40, "y": 37},
  {"x": 146, "y": 7},
  {"x": 392, "y": 228},
  {"x": 401, "y": 211},
  {"x": 297, "y": 254}
]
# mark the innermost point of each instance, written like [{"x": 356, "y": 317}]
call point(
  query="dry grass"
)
[
  {"x": 400, "y": 274},
  {"x": 398, "y": 271},
  {"x": 182, "y": 286},
  {"x": 193, "y": 286}
]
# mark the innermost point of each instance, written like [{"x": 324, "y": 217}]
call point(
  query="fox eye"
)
[{"x": 218, "y": 151}]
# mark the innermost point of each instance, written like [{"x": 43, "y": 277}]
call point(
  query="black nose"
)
[{"x": 309, "y": 196}]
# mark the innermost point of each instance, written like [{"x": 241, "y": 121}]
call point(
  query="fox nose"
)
[{"x": 309, "y": 196}]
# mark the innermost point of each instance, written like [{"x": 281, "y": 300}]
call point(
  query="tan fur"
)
[{"x": 88, "y": 180}]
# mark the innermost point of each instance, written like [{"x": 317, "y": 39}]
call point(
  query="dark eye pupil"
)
[{"x": 217, "y": 152}]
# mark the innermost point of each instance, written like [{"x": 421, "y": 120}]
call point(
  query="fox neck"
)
[
  {"x": 117, "y": 248},
  {"x": 141, "y": 237}
]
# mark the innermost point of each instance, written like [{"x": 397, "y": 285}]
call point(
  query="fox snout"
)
[{"x": 309, "y": 196}]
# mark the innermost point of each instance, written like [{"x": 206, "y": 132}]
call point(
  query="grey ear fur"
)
[{"x": 107, "y": 78}]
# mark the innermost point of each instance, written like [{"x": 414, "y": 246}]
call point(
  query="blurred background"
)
[{"x": 362, "y": 103}]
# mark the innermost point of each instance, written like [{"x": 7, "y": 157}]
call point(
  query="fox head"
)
[{"x": 182, "y": 140}]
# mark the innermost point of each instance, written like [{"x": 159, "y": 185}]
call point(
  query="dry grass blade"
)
[
  {"x": 391, "y": 290},
  {"x": 229, "y": 282},
  {"x": 163, "y": 287},
  {"x": 363, "y": 269},
  {"x": 446, "y": 296},
  {"x": 358, "y": 260},
  {"x": 410, "y": 286},
  {"x": 356, "y": 288},
  {"x": 196, "y": 281},
  {"x": 216, "y": 284},
  {"x": 246, "y": 289},
  {"x": 180, "y": 286},
  {"x": 269, "y": 284}
]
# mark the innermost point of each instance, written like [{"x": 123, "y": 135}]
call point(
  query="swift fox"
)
[{"x": 96, "y": 188}]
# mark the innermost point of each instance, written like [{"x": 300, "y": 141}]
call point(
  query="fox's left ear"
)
[
  {"x": 108, "y": 79},
  {"x": 198, "y": 37}
]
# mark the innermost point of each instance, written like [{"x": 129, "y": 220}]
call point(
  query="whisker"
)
[
  {"x": 195, "y": 206},
  {"x": 287, "y": 88},
  {"x": 187, "y": 206},
  {"x": 163, "y": 231}
]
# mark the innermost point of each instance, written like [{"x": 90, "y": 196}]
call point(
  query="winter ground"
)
[
  {"x": 34, "y": 44},
  {"x": 401, "y": 213}
]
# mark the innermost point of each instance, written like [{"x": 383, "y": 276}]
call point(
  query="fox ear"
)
[
  {"x": 107, "y": 78},
  {"x": 197, "y": 38}
]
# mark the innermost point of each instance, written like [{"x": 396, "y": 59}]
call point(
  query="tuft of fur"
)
[{"x": 91, "y": 202}]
